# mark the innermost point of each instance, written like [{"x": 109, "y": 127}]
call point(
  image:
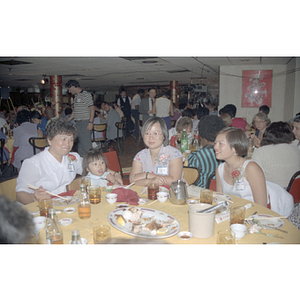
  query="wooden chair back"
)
[
  {"x": 99, "y": 128},
  {"x": 8, "y": 188},
  {"x": 37, "y": 143},
  {"x": 190, "y": 174}
]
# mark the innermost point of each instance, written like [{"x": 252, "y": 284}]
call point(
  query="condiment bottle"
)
[
  {"x": 184, "y": 141},
  {"x": 84, "y": 204},
  {"x": 76, "y": 237},
  {"x": 54, "y": 233}
]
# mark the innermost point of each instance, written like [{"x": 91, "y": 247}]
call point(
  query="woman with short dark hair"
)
[
  {"x": 277, "y": 156},
  {"x": 159, "y": 163},
  {"x": 52, "y": 169}
]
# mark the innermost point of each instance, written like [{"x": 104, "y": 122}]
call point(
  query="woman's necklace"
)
[{"x": 235, "y": 173}]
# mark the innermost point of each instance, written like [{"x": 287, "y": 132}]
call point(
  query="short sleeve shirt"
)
[
  {"x": 165, "y": 156},
  {"x": 82, "y": 102}
]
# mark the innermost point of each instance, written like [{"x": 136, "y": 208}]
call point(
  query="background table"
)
[{"x": 180, "y": 212}]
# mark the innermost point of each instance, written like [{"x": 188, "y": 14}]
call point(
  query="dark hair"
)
[
  {"x": 277, "y": 133},
  {"x": 236, "y": 138},
  {"x": 71, "y": 83},
  {"x": 36, "y": 115},
  {"x": 150, "y": 122},
  {"x": 16, "y": 225},
  {"x": 90, "y": 156},
  {"x": 166, "y": 93},
  {"x": 151, "y": 88},
  {"x": 209, "y": 126},
  {"x": 23, "y": 116},
  {"x": 60, "y": 126},
  {"x": 68, "y": 110},
  {"x": 140, "y": 91},
  {"x": 265, "y": 109},
  {"x": 297, "y": 119},
  {"x": 201, "y": 112},
  {"x": 188, "y": 112},
  {"x": 229, "y": 109}
]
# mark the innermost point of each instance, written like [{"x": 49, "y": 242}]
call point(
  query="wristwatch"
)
[{"x": 91, "y": 122}]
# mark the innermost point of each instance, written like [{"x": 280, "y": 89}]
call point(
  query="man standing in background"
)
[
  {"x": 136, "y": 100},
  {"x": 145, "y": 108},
  {"x": 83, "y": 114},
  {"x": 125, "y": 103}
]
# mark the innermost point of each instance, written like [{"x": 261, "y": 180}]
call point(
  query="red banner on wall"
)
[{"x": 257, "y": 88}]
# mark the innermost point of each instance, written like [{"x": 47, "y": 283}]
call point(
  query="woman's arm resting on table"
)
[
  {"x": 139, "y": 177},
  {"x": 256, "y": 178}
]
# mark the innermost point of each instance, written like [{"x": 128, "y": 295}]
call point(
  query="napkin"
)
[
  {"x": 225, "y": 216},
  {"x": 194, "y": 191},
  {"x": 127, "y": 195}
]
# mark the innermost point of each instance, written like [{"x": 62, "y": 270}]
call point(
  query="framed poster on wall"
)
[{"x": 257, "y": 88}]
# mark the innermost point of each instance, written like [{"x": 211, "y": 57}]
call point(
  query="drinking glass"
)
[
  {"x": 206, "y": 196},
  {"x": 94, "y": 192},
  {"x": 237, "y": 215},
  {"x": 101, "y": 234},
  {"x": 226, "y": 237},
  {"x": 153, "y": 188},
  {"x": 86, "y": 181},
  {"x": 44, "y": 206}
]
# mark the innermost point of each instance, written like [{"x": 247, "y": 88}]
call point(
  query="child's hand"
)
[{"x": 118, "y": 178}]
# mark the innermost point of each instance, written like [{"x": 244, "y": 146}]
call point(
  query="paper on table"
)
[{"x": 225, "y": 216}]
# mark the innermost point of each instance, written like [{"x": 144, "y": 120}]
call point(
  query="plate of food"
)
[
  {"x": 262, "y": 220},
  {"x": 69, "y": 200},
  {"x": 144, "y": 222},
  {"x": 222, "y": 196}
]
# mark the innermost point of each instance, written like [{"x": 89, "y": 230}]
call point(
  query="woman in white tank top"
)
[{"x": 238, "y": 176}]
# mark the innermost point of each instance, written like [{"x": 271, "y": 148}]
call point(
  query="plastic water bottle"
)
[{"x": 184, "y": 141}]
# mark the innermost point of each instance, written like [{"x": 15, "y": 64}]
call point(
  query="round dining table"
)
[{"x": 100, "y": 212}]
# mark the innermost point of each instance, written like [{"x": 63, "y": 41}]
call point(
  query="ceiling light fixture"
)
[{"x": 44, "y": 80}]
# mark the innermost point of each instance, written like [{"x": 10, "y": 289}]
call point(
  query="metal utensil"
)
[
  {"x": 215, "y": 207},
  {"x": 255, "y": 221},
  {"x": 270, "y": 235}
]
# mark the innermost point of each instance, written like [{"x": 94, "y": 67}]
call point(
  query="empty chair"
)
[
  {"x": 294, "y": 187},
  {"x": 38, "y": 143},
  {"x": 190, "y": 175},
  {"x": 99, "y": 128},
  {"x": 120, "y": 137},
  {"x": 113, "y": 162}
]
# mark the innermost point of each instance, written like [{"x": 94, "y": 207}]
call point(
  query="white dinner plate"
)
[
  {"x": 275, "y": 223},
  {"x": 148, "y": 213}
]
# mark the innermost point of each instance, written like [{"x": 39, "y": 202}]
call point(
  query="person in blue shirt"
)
[{"x": 38, "y": 119}]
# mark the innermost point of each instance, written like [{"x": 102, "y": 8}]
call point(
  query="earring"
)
[{"x": 234, "y": 154}]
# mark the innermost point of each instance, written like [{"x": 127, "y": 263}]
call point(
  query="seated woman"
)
[
  {"x": 52, "y": 169},
  {"x": 22, "y": 134},
  {"x": 278, "y": 158},
  {"x": 260, "y": 122},
  {"x": 181, "y": 124},
  {"x": 204, "y": 159},
  {"x": 158, "y": 163},
  {"x": 244, "y": 178}
]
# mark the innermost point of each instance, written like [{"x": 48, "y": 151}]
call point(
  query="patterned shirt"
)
[
  {"x": 82, "y": 102},
  {"x": 205, "y": 161},
  {"x": 166, "y": 154}
]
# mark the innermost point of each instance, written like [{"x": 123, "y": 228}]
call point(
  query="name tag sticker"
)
[
  {"x": 162, "y": 171},
  {"x": 71, "y": 167},
  {"x": 240, "y": 186}
]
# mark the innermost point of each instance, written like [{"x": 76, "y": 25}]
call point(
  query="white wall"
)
[
  {"x": 231, "y": 91},
  {"x": 296, "y": 107}
]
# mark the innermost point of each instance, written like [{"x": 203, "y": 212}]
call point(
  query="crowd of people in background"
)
[{"x": 223, "y": 137}]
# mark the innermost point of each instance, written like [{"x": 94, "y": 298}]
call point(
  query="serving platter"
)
[{"x": 148, "y": 214}]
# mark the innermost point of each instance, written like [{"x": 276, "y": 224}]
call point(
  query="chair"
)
[
  {"x": 37, "y": 143},
  {"x": 74, "y": 185},
  {"x": 121, "y": 127},
  {"x": 294, "y": 187},
  {"x": 8, "y": 188},
  {"x": 99, "y": 128},
  {"x": 113, "y": 162},
  {"x": 3, "y": 161},
  {"x": 190, "y": 174},
  {"x": 211, "y": 182}
]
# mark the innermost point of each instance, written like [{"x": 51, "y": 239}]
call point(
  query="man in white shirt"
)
[
  {"x": 136, "y": 100},
  {"x": 146, "y": 104}
]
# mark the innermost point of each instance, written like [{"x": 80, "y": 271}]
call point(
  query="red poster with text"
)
[{"x": 257, "y": 88}]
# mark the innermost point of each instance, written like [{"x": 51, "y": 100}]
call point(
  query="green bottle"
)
[{"x": 184, "y": 141}]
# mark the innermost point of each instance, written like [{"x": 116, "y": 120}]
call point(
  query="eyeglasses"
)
[{"x": 154, "y": 134}]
